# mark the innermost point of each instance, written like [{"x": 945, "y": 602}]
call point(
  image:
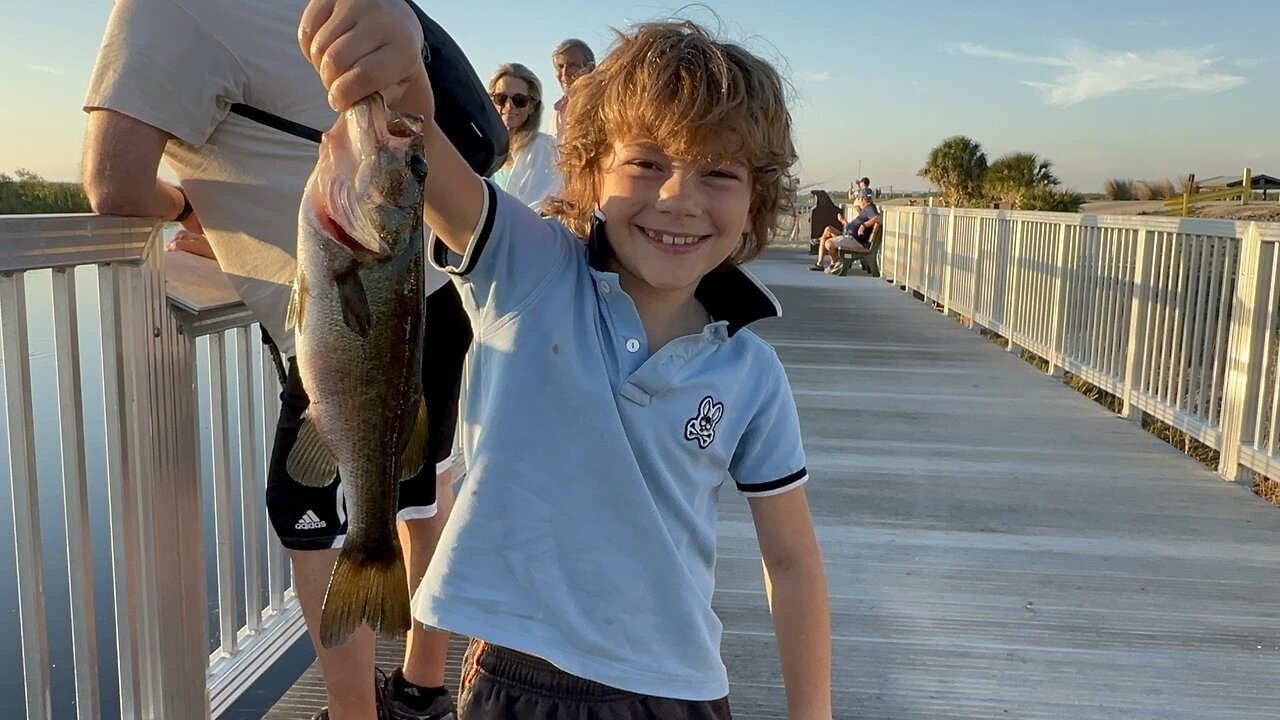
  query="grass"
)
[{"x": 1264, "y": 487}]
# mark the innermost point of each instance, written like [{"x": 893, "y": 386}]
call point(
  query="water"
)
[{"x": 52, "y": 523}]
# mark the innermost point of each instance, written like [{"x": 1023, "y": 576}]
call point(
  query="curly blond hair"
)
[{"x": 699, "y": 99}]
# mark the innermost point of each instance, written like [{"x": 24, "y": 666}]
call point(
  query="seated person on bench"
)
[{"x": 857, "y": 232}]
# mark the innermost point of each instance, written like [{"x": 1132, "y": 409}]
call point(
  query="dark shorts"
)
[
  {"x": 310, "y": 518},
  {"x": 499, "y": 684}
]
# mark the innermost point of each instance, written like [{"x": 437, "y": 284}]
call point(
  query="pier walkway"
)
[{"x": 997, "y": 545}]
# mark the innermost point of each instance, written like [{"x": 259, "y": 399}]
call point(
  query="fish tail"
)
[{"x": 366, "y": 588}]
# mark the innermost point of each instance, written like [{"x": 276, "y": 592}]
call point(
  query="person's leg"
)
[
  {"x": 424, "y": 650},
  {"x": 348, "y": 668},
  {"x": 833, "y": 250},
  {"x": 309, "y": 521},
  {"x": 822, "y": 244}
]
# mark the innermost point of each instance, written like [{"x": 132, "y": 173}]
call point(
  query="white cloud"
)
[
  {"x": 813, "y": 76},
  {"x": 1254, "y": 62},
  {"x": 982, "y": 51},
  {"x": 1093, "y": 73},
  {"x": 44, "y": 69}
]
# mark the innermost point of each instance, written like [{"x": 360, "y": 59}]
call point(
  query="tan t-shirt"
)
[{"x": 178, "y": 65}]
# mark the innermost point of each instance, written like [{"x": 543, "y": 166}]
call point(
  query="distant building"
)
[{"x": 1257, "y": 182}]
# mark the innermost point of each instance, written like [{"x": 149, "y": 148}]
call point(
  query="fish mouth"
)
[
  {"x": 347, "y": 222},
  {"x": 363, "y": 190}
]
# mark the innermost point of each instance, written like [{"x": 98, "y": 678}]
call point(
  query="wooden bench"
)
[{"x": 869, "y": 258}]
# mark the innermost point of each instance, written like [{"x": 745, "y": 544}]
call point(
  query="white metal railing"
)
[
  {"x": 1178, "y": 317},
  {"x": 126, "y": 445}
]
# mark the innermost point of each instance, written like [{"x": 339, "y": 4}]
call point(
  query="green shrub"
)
[
  {"x": 27, "y": 193},
  {"x": 1051, "y": 199}
]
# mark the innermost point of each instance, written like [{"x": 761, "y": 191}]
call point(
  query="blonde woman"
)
[{"x": 530, "y": 172}]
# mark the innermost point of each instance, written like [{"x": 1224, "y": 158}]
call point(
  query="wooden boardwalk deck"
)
[{"x": 997, "y": 545}]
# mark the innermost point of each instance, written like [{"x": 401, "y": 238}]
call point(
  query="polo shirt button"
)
[
  {"x": 633, "y": 345},
  {"x": 605, "y": 287}
]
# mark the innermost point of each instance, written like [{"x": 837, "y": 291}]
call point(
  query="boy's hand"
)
[{"x": 360, "y": 47}]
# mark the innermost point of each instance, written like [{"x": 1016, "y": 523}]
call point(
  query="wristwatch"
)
[{"x": 186, "y": 207}]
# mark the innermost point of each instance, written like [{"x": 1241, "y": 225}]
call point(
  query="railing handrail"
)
[
  {"x": 1215, "y": 227},
  {"x": 38, "y": 242}
]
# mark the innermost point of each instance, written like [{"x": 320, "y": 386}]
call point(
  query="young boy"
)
[{"x": 612, "y": 386}]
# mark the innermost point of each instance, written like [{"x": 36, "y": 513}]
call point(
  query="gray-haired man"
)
[{"x": 571, "y": 58}]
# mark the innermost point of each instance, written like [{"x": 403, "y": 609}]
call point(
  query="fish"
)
[{"x": 356, "y": 310}]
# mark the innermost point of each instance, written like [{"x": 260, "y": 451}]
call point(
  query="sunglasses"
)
[{"x": 519, "y": 100}]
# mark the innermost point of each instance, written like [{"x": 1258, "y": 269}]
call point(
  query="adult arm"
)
[
  {"x": 870, "y": 224},
  {"x": 796, "y": 588},
  {"x": 360, "y": 47},
  {"x": 121, "y": 160}
]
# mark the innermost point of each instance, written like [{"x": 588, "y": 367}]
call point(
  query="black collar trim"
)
[{"x": 732, "y": 295}]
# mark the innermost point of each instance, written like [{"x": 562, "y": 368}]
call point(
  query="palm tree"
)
[
  {"x": 958, "y": 167},
  {"x": 1010, "y": 177}
]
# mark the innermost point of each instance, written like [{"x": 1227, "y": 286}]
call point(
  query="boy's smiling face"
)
[{"x": 670, "y": 221}]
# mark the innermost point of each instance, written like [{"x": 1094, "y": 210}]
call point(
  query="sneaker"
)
[
  {"x": 393, "y": 708},
  {"x": 816, "y": 267}
]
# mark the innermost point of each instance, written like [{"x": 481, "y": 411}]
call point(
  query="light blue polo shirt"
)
[{"x": 584, "y": 532}]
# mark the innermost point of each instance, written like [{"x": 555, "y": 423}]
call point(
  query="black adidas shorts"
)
[{"x": 311, "y": 518}]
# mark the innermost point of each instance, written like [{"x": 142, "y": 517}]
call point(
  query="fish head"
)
[{"x": 366, "y": 190}]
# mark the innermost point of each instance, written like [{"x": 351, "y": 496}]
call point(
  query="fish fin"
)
[
  {"x": 297, "y": 297},
  {"x": 310, "y": 461},
  {"x": 366, "y": 588},
  {"x": 415, "y": 452},
  {"x": 354, "y": 301}
]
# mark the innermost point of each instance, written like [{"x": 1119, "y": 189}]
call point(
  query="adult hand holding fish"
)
[
  {"x": 360, "y": 47},
  {"x": 357, "y": 312}
]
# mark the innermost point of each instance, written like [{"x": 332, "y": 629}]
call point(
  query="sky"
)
[{"x": 1102, "y": 89}]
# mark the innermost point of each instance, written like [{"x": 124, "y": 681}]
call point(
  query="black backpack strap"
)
[
  {"x": 464, "y": 112},
  {"x": 276, "y": 122}
]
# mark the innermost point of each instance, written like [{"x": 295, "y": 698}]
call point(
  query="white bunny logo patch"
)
[{"x": 702, "y": 427}]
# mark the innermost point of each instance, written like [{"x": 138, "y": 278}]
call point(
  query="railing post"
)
[
  {"x": 162, "y": 445},
  {"x": 1011, "y": 300},
  {"x": 948, "y": 268},
  {"x": 119, "y": 385},
  {"x": 15, "y": 371},
  {"x": 908, "y": 257},
  {"x": 1239, "y": 401},
  {"x": 1061, "y": 287},
  {"x": 891, "y": 220},
  {"x": 75, "y": 493},
  {"x": 976, "y": 319},
  {"x": 1140, "y": 304}
]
